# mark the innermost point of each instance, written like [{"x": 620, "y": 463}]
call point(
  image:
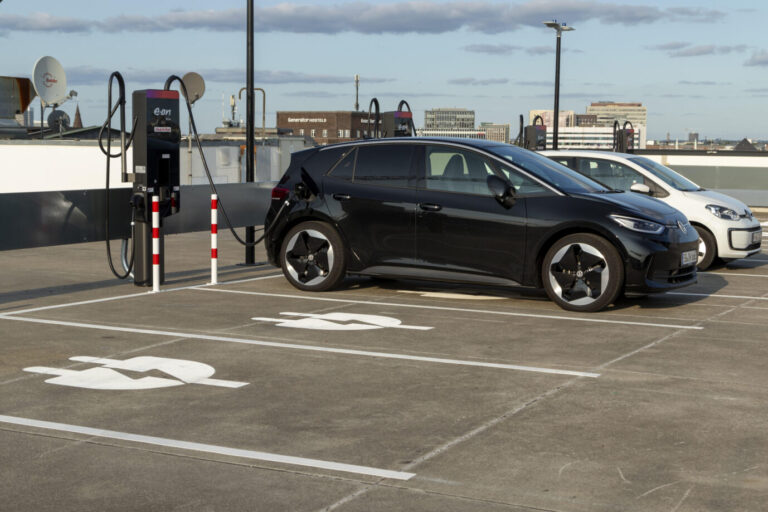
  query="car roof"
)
[
  {"x": 475, "y": 143},
  {"x": 585, "y": 152}
]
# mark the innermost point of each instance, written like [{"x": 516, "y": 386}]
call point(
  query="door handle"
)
[
  {"x": 342, "y": 197},
  {"x": 430, "y": 207}
]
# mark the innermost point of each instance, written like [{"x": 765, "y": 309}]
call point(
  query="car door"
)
[
  {"x": 373, "y": 198},
  {"x": 460, "y": 226}
]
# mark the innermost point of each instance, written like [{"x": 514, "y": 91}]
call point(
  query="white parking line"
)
[
  {"x": 464, "y": 310},
  {"x": 732, "y": 274},
  {"x": 209, "y": 448},
  {"x": 314, "y": 348},
  {"x": 718, "y": 296},
  {"x": 132, "y": 295}
]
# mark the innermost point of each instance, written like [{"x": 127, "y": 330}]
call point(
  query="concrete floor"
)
[{"x": 462, "y": 399}]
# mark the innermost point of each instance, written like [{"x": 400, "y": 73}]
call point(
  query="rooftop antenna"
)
[
  {"x": 195, "y": 86},
  {"x": 357, "y": 90},
  {"x": 50, "y": 83}
]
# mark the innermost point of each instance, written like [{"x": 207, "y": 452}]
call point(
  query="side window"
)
[
  {"x": 611, "y": 174},
  {"x": 346, "y": 167},
  {"x": 455, "y": 170},
  {"x": 566, "y": 161},
  {"x": 384, "y": 164},
  {"x": 523, "y": 184}
]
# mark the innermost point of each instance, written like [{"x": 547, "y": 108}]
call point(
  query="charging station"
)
[
  {"x": 156, "y": 141},
  {"x": 623, "y": 138},
  {"x": 535, "y": 135}
]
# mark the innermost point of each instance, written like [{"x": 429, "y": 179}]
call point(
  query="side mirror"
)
[
  {"x": 640, "y": 188},
  {"x": 502, "y": 191}
]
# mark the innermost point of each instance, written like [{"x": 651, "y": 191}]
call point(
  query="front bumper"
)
[
  {"x": 738, "y": 239},
  {"x": 655, "y": 264}
]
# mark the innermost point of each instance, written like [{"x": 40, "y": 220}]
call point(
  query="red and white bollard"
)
[
  {"x": 214, "y": 239},
  {"x": 155, "y": 243}
]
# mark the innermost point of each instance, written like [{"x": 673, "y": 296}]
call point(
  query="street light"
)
[{"x": 560, "y": 28}]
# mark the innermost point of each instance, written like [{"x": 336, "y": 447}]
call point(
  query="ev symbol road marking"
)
[
  {"x": 105, "y": 376},
  {"x": 339, "y": 322}
]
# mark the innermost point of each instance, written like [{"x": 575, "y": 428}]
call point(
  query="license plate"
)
[
  {"x": 756, "y": 236},
  {"x": 688, "y": 258}
]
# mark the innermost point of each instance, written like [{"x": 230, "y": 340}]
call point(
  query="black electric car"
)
[{"x": 471, "y": 211}]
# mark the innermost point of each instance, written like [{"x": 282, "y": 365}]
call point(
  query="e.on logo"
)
[{"x": 162, "y": 111}]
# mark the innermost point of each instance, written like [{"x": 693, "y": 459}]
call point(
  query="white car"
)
[{"x": 727, "y": 229}]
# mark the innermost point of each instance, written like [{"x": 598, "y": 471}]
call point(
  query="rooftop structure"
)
[{"x": 449, "y": 119}]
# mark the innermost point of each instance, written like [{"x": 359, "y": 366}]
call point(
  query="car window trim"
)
[{"x": 492, "y": 156}]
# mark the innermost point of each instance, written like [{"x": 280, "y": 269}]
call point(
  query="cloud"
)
[
  {"x": 314, "y": 94},
  {"x": 759, "y": 90},
  {"x": 668, "y": 46},
  {"x": 475, "y": 81},
  {"x": 87, "y": 75},
  {"x": 41, "y": 22},
  {"x": 679, "y": 49},
  {"x": 758, "y": 58},
  {"x": 702, "y": 82},
  {"x": 535, "y": 83},
  {"x": 492, "y": 49},
  {"x": 422, "y": 16}
]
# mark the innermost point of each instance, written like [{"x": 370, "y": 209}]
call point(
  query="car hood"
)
[
  {"x": 640, "y": 204},
  {"x": 706, "y": 197}
]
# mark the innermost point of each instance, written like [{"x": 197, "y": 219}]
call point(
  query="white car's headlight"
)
[
  {"x": 640, "y": 225},
  {"x": 722, "y": 212}
]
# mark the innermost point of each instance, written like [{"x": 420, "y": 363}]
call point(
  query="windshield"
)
[
  {"x": 666, "y": 174},
  {"x": 545, "y": 169}
]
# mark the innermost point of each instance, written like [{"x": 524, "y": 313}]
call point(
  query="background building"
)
[
  {"x": 497, "y": 132},
  {"x": 591, "y": 137},
  {"x": 566, "y": 118},
  {"x": 449, "y": 119},
  {"x": 608, "y": 111},
  {"x": 325, "y": 127}
]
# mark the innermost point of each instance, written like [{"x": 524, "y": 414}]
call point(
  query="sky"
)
[{"x": 698, "y": 66}]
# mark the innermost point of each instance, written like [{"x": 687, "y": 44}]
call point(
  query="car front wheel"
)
[
  {"x": 312, "y": 257},
  {"x": 707, "y": 249},
  {"x": 582, "y": 272}
]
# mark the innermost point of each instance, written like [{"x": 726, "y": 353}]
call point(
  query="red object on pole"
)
[
  {"x": 214, "y": 239},
  {"x": 155, "y": 243}
]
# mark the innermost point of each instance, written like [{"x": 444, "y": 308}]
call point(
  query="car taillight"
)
[{"x": 280, "y": 193}]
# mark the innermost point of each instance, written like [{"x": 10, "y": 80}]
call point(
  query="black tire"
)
[
  {"x": 707, "y": 249},
  {"x": 583, "y": 272},
  {"x": 312, "y": 257}
]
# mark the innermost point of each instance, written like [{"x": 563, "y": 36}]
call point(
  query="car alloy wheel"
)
[
  {"x": 312, "y": 257},
  {"x": 579, "y": 274},
  {"x": 582, "y": 272}
]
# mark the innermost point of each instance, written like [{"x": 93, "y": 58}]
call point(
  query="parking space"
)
[{"x": 383, "y": 395}]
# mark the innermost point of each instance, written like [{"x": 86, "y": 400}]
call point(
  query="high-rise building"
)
[
  {"x": 607, "y": 112},
  {"x": 449, "y": 119}
]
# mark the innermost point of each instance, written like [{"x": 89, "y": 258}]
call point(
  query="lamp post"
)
[
  {"x": 560, "y": 28},
  {"x": 250, "y": 231}
]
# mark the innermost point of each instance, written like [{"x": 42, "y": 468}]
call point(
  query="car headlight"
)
[
  {"x": 640, "y": 225},
  {"x": 722, "y": 212}
]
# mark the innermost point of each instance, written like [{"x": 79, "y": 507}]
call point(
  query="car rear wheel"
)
[
  {"x": 312, "y": 257},
  {"x": 582, "y": 272},
  {"x": 707, "y": 249}
]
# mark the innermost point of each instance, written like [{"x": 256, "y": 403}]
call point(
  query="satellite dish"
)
[
  {"x": 50, "y": 81},
  {"x": 195, "y": 86},
  {"x": 58, "y": 120}
]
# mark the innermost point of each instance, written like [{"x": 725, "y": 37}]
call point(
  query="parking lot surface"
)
[{"x": 382, "y": 395}]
